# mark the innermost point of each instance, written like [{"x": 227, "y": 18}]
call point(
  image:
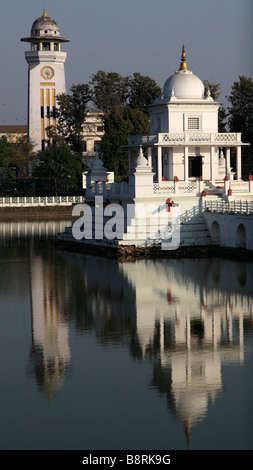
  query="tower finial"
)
[
  {"x": 45, "y": 13},
  {"x": 183, "y": 65}
]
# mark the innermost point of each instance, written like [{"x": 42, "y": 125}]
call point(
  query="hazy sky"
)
[{"x": 128, "y": 36}]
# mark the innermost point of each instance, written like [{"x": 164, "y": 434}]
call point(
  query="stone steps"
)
[{"x": 194, "y": 232}]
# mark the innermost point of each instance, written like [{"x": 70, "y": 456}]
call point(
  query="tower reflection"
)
[{"x": 188, "y": 317}]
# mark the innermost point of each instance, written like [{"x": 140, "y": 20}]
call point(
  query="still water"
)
[{"x": 100, "y": 354}]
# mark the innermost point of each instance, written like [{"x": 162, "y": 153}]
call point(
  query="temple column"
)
[
  {"x": 149, "y": 155},
  {"x": 159, "y": 164},
  {"x": 186, "y": 164},
  {"x": 238, "y": 163},
  {"x": 212, "y": 165},
  {"x": 227, "y": 155}
]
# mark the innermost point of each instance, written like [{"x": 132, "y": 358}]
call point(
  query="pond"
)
[{"x": 102, "y": 354}]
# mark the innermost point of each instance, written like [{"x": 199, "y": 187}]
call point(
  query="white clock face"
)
[{"x": 47, "y": 73}]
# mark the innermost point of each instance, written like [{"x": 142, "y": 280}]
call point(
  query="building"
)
[
  {"x": 184, "y": 142},
  {"x": 46, "y": 77},
  {"x": 13, "y": 133},
  {"x": 179, "y": 176},
  {"x": 92, "y": 133}
]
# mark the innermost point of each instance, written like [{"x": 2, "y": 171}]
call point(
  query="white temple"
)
[{"x": 181, "y": 174}]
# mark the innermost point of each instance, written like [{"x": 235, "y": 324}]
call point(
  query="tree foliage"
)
[
  {"x": 6, "y": 152},
  {"x": 121, "y": 122},
  {"x": 241, "y": 109},
  {"x": 109, "y": 90},
  {"x": 143, "y": 92},
  {"x": 60, "y": 167},
  {"x": 23, "y": 157},
  {"x": 215, "y": 92},
  {"x": 70, "y": 114},
  {"x": 241, "y": 118}
]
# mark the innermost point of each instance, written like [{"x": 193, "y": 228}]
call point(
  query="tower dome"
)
[
  {"x": 45, "y": 26},
  {"x": 183, "y": 84}
]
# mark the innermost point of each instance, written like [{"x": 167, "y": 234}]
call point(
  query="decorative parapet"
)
[
  {"x": 110, "y": 189},
  {"x": 182, "y": 188},
  {"x": 14, "y": 201},
  {"x": 186, "y": 138},
  {"x": 209, "y": 138},
  {"x": 240, "y": 186},
  {"x": 145, "y": 139}
]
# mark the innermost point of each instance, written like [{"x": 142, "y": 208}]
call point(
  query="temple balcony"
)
[{"x": 186, "y": 138}]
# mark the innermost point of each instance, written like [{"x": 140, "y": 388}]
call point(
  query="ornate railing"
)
[
  {"x": 177, "y": 187},
  {"x": 146, "y": 139},
  {"x": 233, "y": 207},
  {"x": 109, "y": 189},
  {"x": 240, "y": 186},
  {"x": 219, "y": 138},
  {"x": 167, "y": 187},
  {"x": 205, "y": 137},
  {"x": 15, "y": 201}
]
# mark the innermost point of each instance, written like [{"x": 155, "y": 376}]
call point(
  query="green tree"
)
[
  {"x": 143, "y": 92},
  {"x": 59, "y": 168},
  {"x": 121, "y": 122},
  {"x": 109, "y": 90},
  {"x": 215, "y": 93},
  {"x": 6, "y": 152},
  {"x": 70, "y": 114},
  {"x": 23, "y": 157},
  {"x": 241, "y": 118}
]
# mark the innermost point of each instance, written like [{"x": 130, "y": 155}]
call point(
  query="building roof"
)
[
  {"x": 183, "y": 84},
  {"x": 45, "y": 27},
  {"x": 13, "y": 129}
]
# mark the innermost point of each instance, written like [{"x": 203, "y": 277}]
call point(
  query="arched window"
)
[
  {"x": 240, "y": 236},
  {"x": 46, "y": 46},
  {"x": 215, "y": 233}
]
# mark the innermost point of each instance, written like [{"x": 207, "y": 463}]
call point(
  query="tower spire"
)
[
  {"x": 45, "y": 13},
  {"x": 183, "y": 65}
]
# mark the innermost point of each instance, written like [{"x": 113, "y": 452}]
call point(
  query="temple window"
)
[
  {"x": 193, "y": 123},
  {"x": 46, "y": 46}
]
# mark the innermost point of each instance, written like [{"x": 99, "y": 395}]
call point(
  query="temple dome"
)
[
  {"x": 183, "y": 84},
  {"x": 45, "y": 26}
]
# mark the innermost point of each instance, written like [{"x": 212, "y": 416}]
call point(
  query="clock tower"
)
[{"x": 46, "y": 77}]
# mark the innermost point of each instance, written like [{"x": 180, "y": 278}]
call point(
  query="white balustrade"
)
[
  {"x": 29, "y": 201},
  {"x": 235, "y": 207},
  {"x": 219, "y": 138}
]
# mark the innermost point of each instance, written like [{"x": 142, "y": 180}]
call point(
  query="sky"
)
[{"x": 144, "y": 36}]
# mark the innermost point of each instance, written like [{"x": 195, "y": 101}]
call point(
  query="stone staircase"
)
[
  {"x": 194, "y": 232},
  {"x": 212, "y": 190}
]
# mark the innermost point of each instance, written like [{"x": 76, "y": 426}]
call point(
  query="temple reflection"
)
[{"x": 188, "y": 317}]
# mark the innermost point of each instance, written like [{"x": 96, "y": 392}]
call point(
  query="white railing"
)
[
  {"x": 15, "y": 201},
  {"x": 205, "y": 137},
  {"x": 210, "y": 138},
  {"x": 168, "y": 187},
  {"x": 178, "y": 187},
  {"x": 145, "y": 139},
  {"x": 240, "y": 186},
  {"x": 110, "y": 189},
  {"x": 234, "y": 207}
]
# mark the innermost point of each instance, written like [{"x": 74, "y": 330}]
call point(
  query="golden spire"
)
[
  {"x": 187, "y": 429},
  {"x": 45, "y": 13},
  {"x": 183, "y": 65}
]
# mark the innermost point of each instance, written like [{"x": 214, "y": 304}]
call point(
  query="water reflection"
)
[
  {"x": 50, "y": 352},
  {"x": 17, "y": 231},
  {"x": 187, "y": 317}
]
